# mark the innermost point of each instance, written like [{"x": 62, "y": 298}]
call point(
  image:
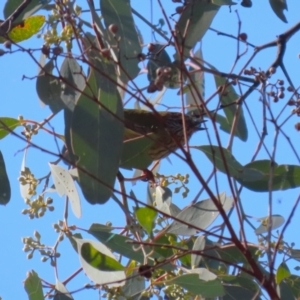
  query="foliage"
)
[{"x": 89, "y": 70}]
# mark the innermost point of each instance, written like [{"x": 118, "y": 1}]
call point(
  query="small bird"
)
[{"x": 166, "y": 129}]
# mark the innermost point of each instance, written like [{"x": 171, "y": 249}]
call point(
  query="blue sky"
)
[{"x": 18, "y": 97}]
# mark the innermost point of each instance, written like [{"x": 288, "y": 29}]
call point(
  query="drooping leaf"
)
[
  {"x": 49, "y": 88},
  {"x": 276, "y": 221},
  {"x": 198, "y": 86},
  {"x": 25, "y": 29},
  {"x": 97, "y": 133},
  {"x": 119, "y": 13},
  {"x": 278, "y": 7},
  {"x": 5, "y": 190},
  {"x": 7, "y": 125},
  {"x": 193, "y": 24},
  {"x": 64, "y": 185},
  {"x": 146, "y": 217},
  {"x": 74, "y": 83},
  {"x": 194, "y": 285},
  {"x": 200, "y": 215},
  {"x": 33, "y": 286},
  {"x": 227, "y": 97},
  {"x": 99, "y": 263},
  {"x": 199, "y": 245}
]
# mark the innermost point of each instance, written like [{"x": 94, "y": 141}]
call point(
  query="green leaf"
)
[
  {"x": 64, "y": 185},
  {"x": 49, "y": 88},
  {"x": 284, "y": 176},
  {"x": 97, "y": 133},
  {"x": 135, "y": 152},
  {"x": 194, "y": 285},
  {"x": 193, "y": 24},
  {"x": 99, "y": 260},
  {"x": 5, "y": 191},
  {"x": 282, "y": 273},
  {"x": 62, "y": 292},
  {"x": 223, "y": 2},
  {"x": 121, "y": 245},
  {"x": 200, "y": 215},
  {"x": 119, "y": 13},
  {"x": 276, "y": 221},
  {"x": 197, "y": 78},
  {"x": 7, "y": 125},
  {"x": 99, "y": 264},
  {"x": 229, "y": 96},
  {"x": 239, "y": 287},
  {"x": 159, "y": 57},
  {"x": 146, "y": 217},
  {"x": 33, "y": 286},
  {"x": 74, "y": 83},
  {"x": 32, "y": 7},
  {"x": 199, "y": 245},
  {"x": 293, "y": 283},
  {"x": 25, "y": 29},
  {"x": 218, "y": 156},
  {"x": 278, "y": 7}
]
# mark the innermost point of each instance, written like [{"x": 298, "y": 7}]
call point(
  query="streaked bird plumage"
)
[{"x": 166, "y": 129}]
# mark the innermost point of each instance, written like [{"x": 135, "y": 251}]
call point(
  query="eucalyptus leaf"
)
[
  {"x": 193, "y": 23},
  {"x": 33, "y": 286},
  {"x": 278, "y": 7},
  {"x": 119, "y": 13},
  {"x": 200, "y": 215},
  {"x": 99, "y": 263},
  {"x": 196, "y": 286},
  {"x": 5, "y": 191},
  {"x": 7, "y": 125}
]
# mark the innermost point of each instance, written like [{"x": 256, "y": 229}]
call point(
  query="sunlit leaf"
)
[
  {"x": 64, "y": 184},
  {"x": 99, "y": 260},
  {"x": 282, "y": 272},
  {"x": 99, "y": 264},
  {"x": 146, "y": 217},
  {"x": 25, "y": 29},
  {"x": 7, "y": 125}
]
